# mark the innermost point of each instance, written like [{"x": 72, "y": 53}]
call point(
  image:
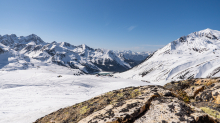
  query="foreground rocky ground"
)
[{"x": 189, "y": 101}]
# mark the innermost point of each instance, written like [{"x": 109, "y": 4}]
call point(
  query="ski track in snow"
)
[{"x": 27, "y": 95}]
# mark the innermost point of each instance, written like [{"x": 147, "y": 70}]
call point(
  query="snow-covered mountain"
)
[
  {"x": 20, "y": 52},
  {"x": 196, "y": 55},
  {"x": 133, "y": 58}
]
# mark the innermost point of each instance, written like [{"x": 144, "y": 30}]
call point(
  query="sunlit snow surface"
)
[
  {"x": 196, "y": 55},
  {"x": 27, "y": 95}
]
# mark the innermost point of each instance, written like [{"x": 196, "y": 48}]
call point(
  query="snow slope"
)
[
  {"x": 196, "y": 55},
  {"x": 81, "y": 57},
  {"x": 27, "y": 95}
]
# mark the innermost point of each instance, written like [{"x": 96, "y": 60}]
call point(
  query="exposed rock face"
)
[
  {"x": 128, "y": 110},
  {"x": 171, "y": 109},
  {"x": 201, "y": 93},
  {"x": 210, "y": 94},
  {"x": 189, "y": 101}
]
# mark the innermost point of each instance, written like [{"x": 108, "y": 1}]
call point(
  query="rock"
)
[
  {"x": 129, "y": 110},
  {"x": 211, "y": 112},
  {"x": 188, "y": 101},
  {"x": 211, "y": 93},
  {"x": 59, "y": 76},
  {"x": 193, "y": 90},
  {"x": 79, "y": 111},
  {"x": 167, "y": 109}
]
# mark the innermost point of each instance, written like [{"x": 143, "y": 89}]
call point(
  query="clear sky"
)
[{"x": 137, "y": 25}]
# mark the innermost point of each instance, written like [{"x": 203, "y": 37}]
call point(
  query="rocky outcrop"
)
[
  {"x": 127, "y": 110},
  {"x": 201, "y": 93},
  {"x": 188, "y": 101},
  {"x": 171, "y": 109}
]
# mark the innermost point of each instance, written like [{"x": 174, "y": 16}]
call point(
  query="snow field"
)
[{"x": 27, "y": 95}]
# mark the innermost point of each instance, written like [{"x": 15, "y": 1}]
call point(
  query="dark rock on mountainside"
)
[
  {"x": 1, "y": 51},
  {"x": 110, "y": 65},
  {"x": 189, "y": 101}
]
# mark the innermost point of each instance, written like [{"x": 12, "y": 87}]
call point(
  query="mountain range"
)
[
  {"x": 196, "y": 55},
  {"x": 21, "y": 53}
]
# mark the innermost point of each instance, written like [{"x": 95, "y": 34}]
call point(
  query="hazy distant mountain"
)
[
  {"x": 23, "y": 50},
  {"x": 193, "y": 56},
  {"x": 133, "y": 58}
]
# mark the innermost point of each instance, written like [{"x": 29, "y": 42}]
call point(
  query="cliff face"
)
[{"x": 191, "y": 101}]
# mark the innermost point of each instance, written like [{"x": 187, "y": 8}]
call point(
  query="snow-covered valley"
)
[{"x": 27, "y": 95}]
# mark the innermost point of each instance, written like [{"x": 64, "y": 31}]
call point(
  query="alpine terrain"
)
[
  {"x": 34, "y": 73},
  {"x": 22, "y": 52},
  {"x": 196, "y": 55}
]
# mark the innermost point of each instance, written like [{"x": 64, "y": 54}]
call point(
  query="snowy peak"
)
[
  {"x": 205, "y": 31},
  {"x": 8, "y": 39},
  {"x": 196, "y": 55},
  {"x": 33, "y": 39},
  {"x": 84, "y": 47},
  {"x": 203, "y": 41},
  {"x": 208, "y": 33},
  {"x": 66, "y": 45}
]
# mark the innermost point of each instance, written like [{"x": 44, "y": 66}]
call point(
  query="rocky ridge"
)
[{"x": 188, "y": 101}]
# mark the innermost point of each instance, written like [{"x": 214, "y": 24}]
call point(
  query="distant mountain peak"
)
[
  {"x": 54, "y": 42},
  {"x": 13, "y": 35},
  {"x": 32, "y": 38},
  {"x": 33, "y": 34},
  {"x": 84, "y": 47}
]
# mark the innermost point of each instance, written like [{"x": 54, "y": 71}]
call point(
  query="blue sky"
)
[{"x": 137, "y": 25}]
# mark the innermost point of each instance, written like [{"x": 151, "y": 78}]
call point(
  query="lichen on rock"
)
[{"x": 189, "y": 101}]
